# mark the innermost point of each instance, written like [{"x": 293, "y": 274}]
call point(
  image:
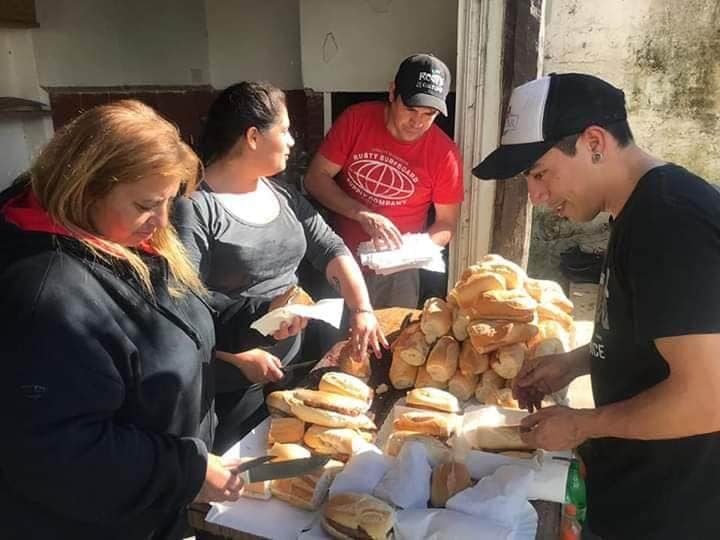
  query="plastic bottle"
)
[
  {"x": 570, "y": 528},
  {"x": 575, "y": 491}
]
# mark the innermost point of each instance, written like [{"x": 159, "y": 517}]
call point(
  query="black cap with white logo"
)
[
  {"x": 542, "y": 112},
  {"x": 423, "y": 80}
]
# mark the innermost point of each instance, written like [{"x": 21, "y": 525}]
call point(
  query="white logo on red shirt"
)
[{"x": 383, "y": 181}]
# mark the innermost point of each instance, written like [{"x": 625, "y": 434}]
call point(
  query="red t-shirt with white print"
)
[{"x": 399, "y": 180}]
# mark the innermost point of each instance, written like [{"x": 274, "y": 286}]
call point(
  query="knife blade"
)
[
  {"x": 293, "y": 367},
  {"x": 284, "y": 469}
]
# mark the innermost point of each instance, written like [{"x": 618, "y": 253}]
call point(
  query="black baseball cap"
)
[
  {"x": 422, "y": 80},
  {"x": 542, "y": 112}
]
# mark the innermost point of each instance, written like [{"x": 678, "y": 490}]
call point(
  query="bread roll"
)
[
  {"x": 410, "y": 346},
  {"x": 437, "y": 451},
  {"x": 307, "y": 491},
  {"x": 550, "y": 312},
  {"x": 547, "y": 347},
  {"x": 357, "y": 516},
  {"x": 513, "y": 274},
  {"x": 509, "y": 360},
  {"x": 436, "y": 320},
  {"x": 352, "y": 363},
  {"x": 545, "y": 291},
  {"x": 431, "y": 423},
  {"x": 294, "y": 295},
  {"x": 473, "y": 282},
  {"x": 336, "y": 440},
  {"x": 325, "y": 418},
  {"x": 285, "y": 430},
  {"x": 511, "y": 305},
  {"x": 488, "y": 387},
  {"x": 496, "y": 438},
  {"x": 432, "y": 398},
  {"x": 462, "y": 386},
  {"x": 472, "y": 362},
  {"x": 345, "y": 385},
  {"x": 278, "y": 403},
  {"x": 402, "y": 375},
  {"x": 447, "y": 480},
  {"x": 442, "y": 361},
  {"x": 424, "y": 380},
  {"x": 490, "y": 336},
  {"x": 332, "y": 402},
  {"x": 550, "y": 329},
  {"x": 460, "y": 325},
  {"x": 285, "y": 451},
  {"x": 505, "y": 399}
]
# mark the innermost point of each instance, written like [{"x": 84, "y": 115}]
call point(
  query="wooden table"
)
[{"x": 390, "y": 320}]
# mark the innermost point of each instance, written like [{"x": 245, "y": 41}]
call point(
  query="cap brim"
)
[
  {"x": 424, "y": 100},
  {"x": 510, "y": 160}
]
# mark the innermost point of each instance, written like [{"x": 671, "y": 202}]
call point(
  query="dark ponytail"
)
[{"x": 238, "y": 108}]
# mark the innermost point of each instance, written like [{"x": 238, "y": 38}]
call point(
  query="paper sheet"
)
[
  {"x": 417, "y": 251},
  {"x": 329, "y": 310}
]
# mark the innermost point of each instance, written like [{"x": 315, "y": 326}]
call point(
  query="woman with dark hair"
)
[
  {"x": 106, "y": 339},
  {"x": 248, "y": 234}
]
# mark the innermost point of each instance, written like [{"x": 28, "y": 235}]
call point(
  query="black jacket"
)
[{"x": 106, "y": 394}]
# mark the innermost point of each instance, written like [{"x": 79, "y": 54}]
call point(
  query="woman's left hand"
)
[
  {"x": 365, "y": 330},
  {"x": 286, "y": 330}
]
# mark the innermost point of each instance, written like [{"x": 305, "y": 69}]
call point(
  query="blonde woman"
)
[{"x": 105, "y": 339}]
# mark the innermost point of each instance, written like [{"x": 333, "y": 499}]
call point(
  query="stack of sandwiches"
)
[{"x": 474, "y": 343}]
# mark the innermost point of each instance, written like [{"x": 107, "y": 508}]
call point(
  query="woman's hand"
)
[
  {"x": 364, "y": 331},
  {"x": 220, "y": 483},
  {"x": 257, "y": 365},
  {"x": 286, "y": 330}
]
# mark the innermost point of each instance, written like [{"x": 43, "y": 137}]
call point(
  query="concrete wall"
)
[
  {"x": 356, "y": 45},
  {"x": 112, "y": 43},
  {"x": 664, "y": 54},
  {"x": 251, "y": 40}
]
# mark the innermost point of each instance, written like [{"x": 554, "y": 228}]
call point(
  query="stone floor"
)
[{"x": 583, "y": 296}]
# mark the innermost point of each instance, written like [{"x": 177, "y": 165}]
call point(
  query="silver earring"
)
[{"x": 597, "y": 156}]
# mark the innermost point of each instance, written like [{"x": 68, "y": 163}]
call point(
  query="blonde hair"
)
[{"x": 106, "y": 146}]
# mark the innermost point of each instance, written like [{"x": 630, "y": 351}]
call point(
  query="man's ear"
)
[
  {"x": 391, "y": 92},
  {"x": 596, "y": 140}
]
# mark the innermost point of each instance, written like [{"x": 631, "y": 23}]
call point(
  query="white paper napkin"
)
[
  {"x": 329, "y": 310},
  {"x": 406, "y": 484},
  {"x": 362, "y": 472},
  {"x": 416, "y": 251}
]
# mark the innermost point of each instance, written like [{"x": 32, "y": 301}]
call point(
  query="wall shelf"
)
[{"x": 22, "y": 108}]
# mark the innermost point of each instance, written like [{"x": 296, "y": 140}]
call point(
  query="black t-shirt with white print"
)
[{"x": 661, "y": 278}]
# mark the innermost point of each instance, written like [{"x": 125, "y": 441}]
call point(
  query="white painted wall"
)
[
  {"x": 128, "y": 42},
  {"x": 663, "y": 54},
  {"x": 252, "y": 40},
  {"x": 20, "y": 137},
  {"x": 357, "y": 45}
]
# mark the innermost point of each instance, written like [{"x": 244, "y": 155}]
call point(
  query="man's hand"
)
[
  {"x": 365, "y": 331},
  {"x": 220, "y": 484},
  {"x": 257, "y": 365},
  {"x": 540, "y": 377},
  {"x": 286, "y": 330},
  {"x": 382, "y": 231},
  {"x": 555, "y": 428}
]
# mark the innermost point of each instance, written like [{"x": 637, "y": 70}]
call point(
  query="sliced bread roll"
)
[
  {"x": 432, "y": 398},
  {"x": 308, "y": 491},
  {"x": 331, "y": 402},
  {"x": 429, "y": 422},
  {"x": 294, "y": 295},
  {"x": 278, "y": 402},
  {"x": 357, "y": 516},
  {"x": 345, "y": 385},
  {"x": 335, "y": 441},
  {"x": 437, "y": 451},
  {"x": 285, "y": 430},
  {"x": 326, "y": 418}
]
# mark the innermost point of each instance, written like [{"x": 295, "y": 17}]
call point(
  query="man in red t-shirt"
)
[{"x": 382, "y": 165}]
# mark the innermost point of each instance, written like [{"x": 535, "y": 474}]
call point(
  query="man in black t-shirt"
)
[{"x": 651, "y": 444}]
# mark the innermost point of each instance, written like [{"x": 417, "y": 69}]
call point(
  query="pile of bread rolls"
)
[
  {"x": 330, "y": 421},
  {"x": 474, "y": 343}
]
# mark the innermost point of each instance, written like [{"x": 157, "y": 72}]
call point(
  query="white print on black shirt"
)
[
  {"x": 601, "y": 311},
  {"x": 381, "y": 179}
]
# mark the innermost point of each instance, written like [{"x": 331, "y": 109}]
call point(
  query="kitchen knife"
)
[{"x": 283, "y": 469}]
